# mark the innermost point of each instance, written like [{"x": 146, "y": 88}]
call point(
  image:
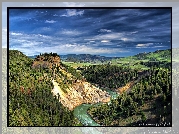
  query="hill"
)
[
  {"x": 159, "y": 58},
  {"x": 46, "y": 60},
  {"x": 155, "y": 56}
]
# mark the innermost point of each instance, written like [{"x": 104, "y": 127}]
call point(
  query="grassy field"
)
[
  {"x": 131, "y": 61},
  {"x": 132, "y": 64}
]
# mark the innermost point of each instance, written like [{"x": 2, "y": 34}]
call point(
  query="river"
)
[{"x": 80, "y": 111}]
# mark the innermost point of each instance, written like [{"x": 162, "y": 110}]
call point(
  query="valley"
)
[{"x": 120, "y": 91}]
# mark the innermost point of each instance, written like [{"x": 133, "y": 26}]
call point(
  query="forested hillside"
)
[
  {"x": 148, "y": 101},
  {"x": 31, "y": 102},
  {"x": 155, "y": 56},
  {"x": 110, "y": 76}
]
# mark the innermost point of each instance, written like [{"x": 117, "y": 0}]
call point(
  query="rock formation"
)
[
  {"x": 46, "y": 61},
  {"x": 80, "y": 92},
  {"x": 71, "y": 91}
]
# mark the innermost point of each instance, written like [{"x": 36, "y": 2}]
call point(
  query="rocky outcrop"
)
[
  {"x": 46, "y": 61},
  {"x": 79, "y": 93},
  {"x": 71, "y": 91}
]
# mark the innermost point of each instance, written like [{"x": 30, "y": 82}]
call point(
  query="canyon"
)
[{"x": 79, "y": 93}]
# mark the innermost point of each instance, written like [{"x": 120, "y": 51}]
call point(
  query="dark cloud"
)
[{"x": 95, "y": 31}]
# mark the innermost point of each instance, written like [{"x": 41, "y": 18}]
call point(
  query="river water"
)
[{"x": 80, "y": 112}]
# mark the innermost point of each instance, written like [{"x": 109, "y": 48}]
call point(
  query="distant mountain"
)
[
  {"x": 153, "y": 56},
  {"x": 81, "y": 57},
  {"x": 85, "y": 57}
]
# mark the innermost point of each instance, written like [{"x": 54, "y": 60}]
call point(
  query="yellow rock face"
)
[
  {"x": 43, "y": 62},
  {"x": 80, "y": 92},
  {"x": 127, "y": 86}
]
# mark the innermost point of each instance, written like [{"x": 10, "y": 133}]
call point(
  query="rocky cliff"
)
[
  {"x": 46, "y": 61},
  {"x": 79, "y": 93},
  {"x": 72, "y": 91}
]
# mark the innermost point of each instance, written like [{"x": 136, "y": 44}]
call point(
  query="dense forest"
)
[
  {"x": 31, "y": 102},
  {"x": 152, "y": 93},
  {"x": 147, "y": 102},
  {"x": 110, "y": 76}
]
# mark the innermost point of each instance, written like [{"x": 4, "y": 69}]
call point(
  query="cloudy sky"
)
[{"x": 109, "y": 32}]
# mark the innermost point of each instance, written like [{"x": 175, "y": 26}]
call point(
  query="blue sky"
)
[{"x": 108, "y": 32}]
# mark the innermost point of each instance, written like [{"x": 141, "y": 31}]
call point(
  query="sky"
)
[{"x": 107, "y": 32}]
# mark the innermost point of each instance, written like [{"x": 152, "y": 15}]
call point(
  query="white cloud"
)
[
  {"x": 105, "y": 30},
  {"x": 73, "y": 12},
  {"x": 141, "y": 45},
  {"x": 55, "y": 15},
  {"x": 174, "y": 5},
  {"x": 92, "y": 41},
  {"x": 28, "y": 41},
  {"x": 12, "y": 33},
  {"x": 134, "y": 32},
  {"x": 69, "y": 32},
  {"x": 50, "y": 21},
  {"x": 70, "y": 45},
  {"x": 113, "y": 36},
  {"x": 45, "y": 29},
  {"x": 24, "y": 43},
  {"x": 105, "y": 41},
  {"x": 158, "y": 46},
  {"x": 146, "y": 45},
  {"x": 83, "y": 49},
  {"x": 125, "y": 39},
  {"x": 31, "y": 43},
  {"x": 109, "y": 36}
]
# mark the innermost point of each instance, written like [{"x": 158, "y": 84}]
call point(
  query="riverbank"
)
[{"x": 81, "y": 113}]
